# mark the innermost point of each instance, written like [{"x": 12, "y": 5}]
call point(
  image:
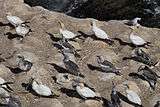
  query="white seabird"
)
[
  {"x": 22, "y": 30},
  {"x": 99, "y": 33},
  {"x": 66, "y": 33},
  {"x": 14, "y": 20},
  {"x": 85, "y": 92},
  {"x": 41, "y": 89},
  {"x": 134, "y": 22},
  {"x": 136, "y": 40},
  {"x": 133, "y": 96}
]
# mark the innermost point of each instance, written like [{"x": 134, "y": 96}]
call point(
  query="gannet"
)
[
  {"x": 4, "y": 89},
  {"x": 149, "y": 75},
  {"x": 85, "y": 92},
  {"x": 134, "y": 22},
  {"x": 40, "y": 89},
  {"x": 99, "y": 33},
  {"x": 23, "y": 64},
  {"x": 5, "y": 85},
  {"x": 14, "y": 20},
  {"x": 136, "y": 40},
  {"x": 107, "y": 66},
  {"x": 22, "y": 30},
  {"x": 62, "y": 78},
  {"x": 115, "y": 99},
  {"x": 71, "y": 66},
  {"x": 143, "y": 57},
  {"x": 133, "y": 96},
  {"x": 66, "y": 33},
  {"x": 14, "y": 102},
  {"x": 65, "y": 45}
]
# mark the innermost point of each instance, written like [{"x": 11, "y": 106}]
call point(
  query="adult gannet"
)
[
  {"x": 100, "y": 34},
  {"x": 133, "y": 96},
  {"x": 40, "y": 89},
  {"x": 134, "y": 22},
  {"x": 22, "y": 30},
  {"x": 137, "y": 40},
  {"x": 14, "y": 20},
  {"x": 85, "y": 92},
  {"x": 66, "y": 33}
]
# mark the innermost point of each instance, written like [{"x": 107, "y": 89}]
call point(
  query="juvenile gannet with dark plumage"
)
[
  {"x": 107, "y": 66},
  {"x": 71, "y": 66},
  {"x": 23, "y": 64},
  {"x": 149, "y": 75},
  {"x": 143, "y": 57},
  {"x": 100, "y": 34},
  {"x": 64, "y": 44},
  {"x": 115, "y": 99},
  {"x": 66, "y": 33}
]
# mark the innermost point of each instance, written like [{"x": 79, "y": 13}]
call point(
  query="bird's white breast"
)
[
  {"x": 100, "y": 33},
  {"x": 137, "y": 40},
  {"x": 133, "y": 97},
  {"x": 85, "y": 92},
  {"x": 41, "y": 89}
]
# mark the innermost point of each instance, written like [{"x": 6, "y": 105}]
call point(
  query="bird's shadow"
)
[
  {"x": 52, "y": 37},
  {"x": 95, "y": 38},
  {"x": 137, "y": 59},
  {"x": 12, "y": 36},
  {"x": 63, "y": 70},
  {"x": 58, "y": 68},
  {"x": 15, "y": 70},
  {"x": 106, "y": 103},
  {"x": 136, "y": 76},
  {"x": 121, "y": 42},
  {"x": 6, "y": 24},
  {"x": 124, "y": 98},
  {"x": 92, "y": 67},
  {"x": 70, "y": 92}
]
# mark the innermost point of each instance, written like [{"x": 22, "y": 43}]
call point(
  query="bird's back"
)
[
  {"x": 85, "y": 92},
  {"x": 100, "y": 33},
  {"x": 136, "y": 40}
]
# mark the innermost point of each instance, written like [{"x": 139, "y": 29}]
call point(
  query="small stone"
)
[
  {"x": 154, "y": 100},
  {"x": 93, "y": 103},
  {"x": 4, "y": 71},
  {"x": 106, "y": 76},
  {"x": 47, "y": 103}
]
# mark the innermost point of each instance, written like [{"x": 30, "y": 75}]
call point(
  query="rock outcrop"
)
[{"x": 38, "y": 48}]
